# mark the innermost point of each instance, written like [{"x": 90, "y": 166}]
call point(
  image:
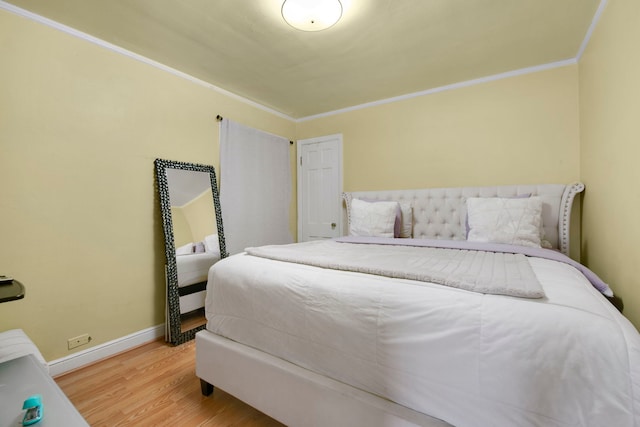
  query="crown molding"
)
[
  {"x": 102, "y": 43},
  {"x": 452, "y": 86},
  {"x": 594, "y": 23},
  {"x": 66, "y": 29}
]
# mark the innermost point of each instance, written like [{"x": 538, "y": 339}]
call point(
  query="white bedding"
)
[
  {"x": 193, "y": 268},
  {"x": 467, "y": 358}
]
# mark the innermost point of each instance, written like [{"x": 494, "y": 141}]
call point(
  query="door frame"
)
[{"x": 299, "y": 145}]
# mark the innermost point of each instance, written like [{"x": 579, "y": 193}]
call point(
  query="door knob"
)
[{"x": 333, "y": 225}]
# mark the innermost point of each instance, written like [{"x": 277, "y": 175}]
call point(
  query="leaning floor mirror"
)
[{"x": 194, "y": 241}]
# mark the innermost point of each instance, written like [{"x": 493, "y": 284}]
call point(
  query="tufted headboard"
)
[{"x": 440, "y": 213}]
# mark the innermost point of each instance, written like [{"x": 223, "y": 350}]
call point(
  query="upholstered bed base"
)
[
  {"x": 293, "y": 395},
  {"x": 299, "y": 397}
]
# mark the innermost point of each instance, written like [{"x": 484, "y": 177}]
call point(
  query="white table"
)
[{"x": 25, "y": 376}]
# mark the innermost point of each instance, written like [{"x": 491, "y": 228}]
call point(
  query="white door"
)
[{"x": 319, "y": 188}]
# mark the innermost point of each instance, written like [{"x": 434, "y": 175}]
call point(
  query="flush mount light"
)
[{"x": 311, "y": 15}]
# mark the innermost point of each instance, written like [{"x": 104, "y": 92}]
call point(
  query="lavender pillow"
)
[{"x": 406, "y": 229}]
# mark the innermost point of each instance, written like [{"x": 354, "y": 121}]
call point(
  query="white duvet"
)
[
  {"x": 467, "y": 358},
  {"x": 193, "y": 268}
]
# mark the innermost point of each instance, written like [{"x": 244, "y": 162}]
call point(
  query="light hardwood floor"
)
[{"x": 153, "y": 385}]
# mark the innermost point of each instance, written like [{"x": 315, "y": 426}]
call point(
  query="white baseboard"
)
[{"x": 102, "y": 351}]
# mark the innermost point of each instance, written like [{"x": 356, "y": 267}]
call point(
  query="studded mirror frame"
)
[{"x": 176, "y": 335}]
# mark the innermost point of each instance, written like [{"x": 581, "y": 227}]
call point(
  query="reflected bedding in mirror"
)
[{"x": 194, "y": 260}]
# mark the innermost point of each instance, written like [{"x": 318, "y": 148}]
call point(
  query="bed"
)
[{"x": 349, "y": 342}]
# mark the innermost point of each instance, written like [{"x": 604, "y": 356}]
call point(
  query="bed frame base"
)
[
  {"x": 206, "y": 388},
  {"x": 291, "y": 394}
]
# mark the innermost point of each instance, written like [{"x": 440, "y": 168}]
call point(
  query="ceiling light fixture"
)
[{"x": 311, "y": 15}]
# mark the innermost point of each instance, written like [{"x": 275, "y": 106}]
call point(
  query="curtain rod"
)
[{"x": 220, "y": 118}]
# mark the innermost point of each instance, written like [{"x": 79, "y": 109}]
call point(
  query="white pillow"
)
[
  {"x": 372, "y": 219},
  {"x": 185, "y": 249},
  {"x": 505, "y": 220}
]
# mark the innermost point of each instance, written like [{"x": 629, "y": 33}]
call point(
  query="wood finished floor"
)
[{"x": 153, "y": 385}]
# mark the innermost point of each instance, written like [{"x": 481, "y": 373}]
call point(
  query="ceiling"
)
[{"x": 380, "y": 49}]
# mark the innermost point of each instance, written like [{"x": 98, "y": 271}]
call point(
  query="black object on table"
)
[{"x": 11, "y": 291}]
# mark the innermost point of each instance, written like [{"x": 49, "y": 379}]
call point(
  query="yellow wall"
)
[
  {"x": 610, "y": 134},
  {"x": 193, "y": 221},
  {"x": 182, "y": 233},
  {"x": 201, "y": 216},
  {"x": 520, "y": 130},
  {"x": 80, "y": 127}
]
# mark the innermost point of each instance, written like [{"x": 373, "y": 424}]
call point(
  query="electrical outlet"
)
[{"x": 78, "y": 341}]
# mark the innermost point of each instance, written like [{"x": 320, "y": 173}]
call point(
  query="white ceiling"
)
[{"x": 379, "y": 49}]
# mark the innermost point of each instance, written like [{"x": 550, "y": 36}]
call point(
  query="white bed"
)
[
  {"x": 322, "y": 347},
  {"x": 192, "y": 273}
]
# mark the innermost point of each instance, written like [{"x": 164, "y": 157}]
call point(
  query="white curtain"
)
[{"x": 255, "y": 187}]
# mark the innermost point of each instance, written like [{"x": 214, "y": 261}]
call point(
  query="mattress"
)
[
  {"x": 193, "y": 268},
  {"x": 467, "y": 358}
]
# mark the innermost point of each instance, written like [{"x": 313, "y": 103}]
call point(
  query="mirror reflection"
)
[
  {"x": 193, "y": 241},
  {"x": 195, "y": 238}
]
